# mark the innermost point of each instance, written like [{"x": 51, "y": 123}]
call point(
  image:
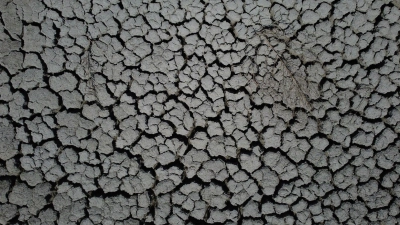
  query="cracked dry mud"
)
[{"x": 199, "y": 112}]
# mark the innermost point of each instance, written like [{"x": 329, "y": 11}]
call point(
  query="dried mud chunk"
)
[
  {"x": 345, "y": 177},
  {"x": 384, "y": 139},
  {"x": 8, "y": 143},
  {"x": 71, "y": 100},
  {"x": 250, "y": 163},
  {"x": 34, "y": 199},
  {"x": 42, "y": 101},
  {"x": 54, "y": 58},
  {"x": 158, "y": 150},
  {"x": 309, "y": 17},
  {"x": 242, "y": 188},
  {"x": 72, "y": 212},
  {"x": 215, "y": 169},
  {"x": 138, "y": 46},
  {"x": 83, "y": 174},
  {"x": 193, "y": 160},
  {"x": 220, "y": 216},
  {"x": 296, "y": 148},
  {"x": 12, "y": 61},
  {"x": 373, "y": 196},
  {"x": 64, "y": 82},
  {"x": 338, "y": 158},
  {"x": 387, "y": 158},
  {"x": 33, "y": 178},
  {"x": 115, "y": 168},
  {"x": 7, "y": 212},
  {"x": 163, "y": 209},
  {"x": 28, "y": 79},
  {"x": 270, "y": 139},
  {"x": 12, "y": 18},
  {"x": 251, "y": 209},
  {"x": 139, "y": 183},
  {"x": 33, "y": 39},
  {"x": 110, "y": 208},
  {"x": 267, "y": 179},
  {"x": 168, "y": 179},
  {"x": 189, "y": 199},
  {"x": 129, "y": 133},
  {"x": 4, "y": 187},
  {"x": 215, "y": 196},
  {"x": 180, "y": 117},
  {"x": 280, "y": 164},
  {"x": 222, "y": 146}
]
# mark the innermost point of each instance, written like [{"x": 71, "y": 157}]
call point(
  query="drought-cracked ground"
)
[{"x": 199, "y": 112}]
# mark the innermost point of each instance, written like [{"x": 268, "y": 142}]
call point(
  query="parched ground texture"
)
[{"x": 199, "y": 112}]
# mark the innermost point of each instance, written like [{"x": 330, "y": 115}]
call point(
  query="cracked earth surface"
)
[{"x": 179, "y": 112}]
